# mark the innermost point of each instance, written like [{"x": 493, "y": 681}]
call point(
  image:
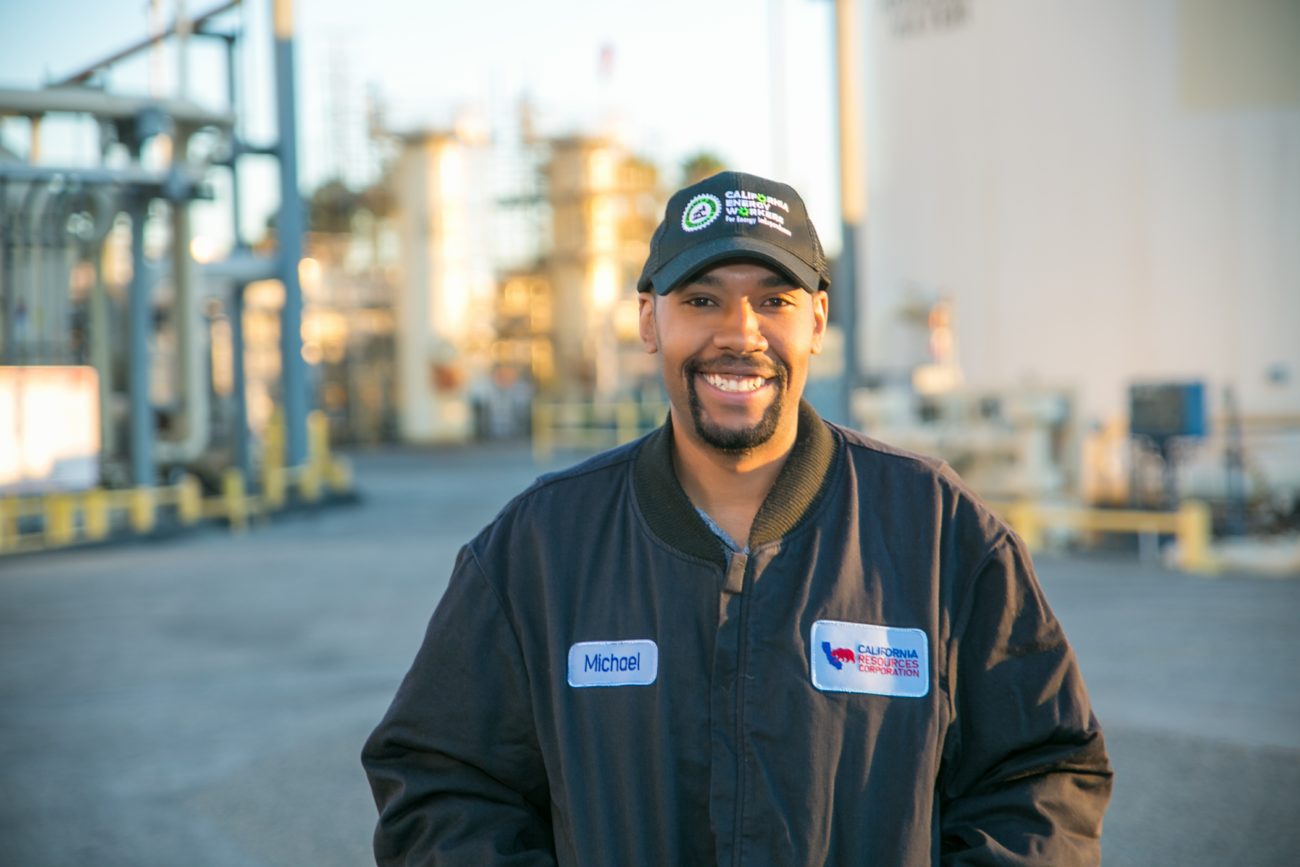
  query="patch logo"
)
[
  {"x": 871, "y": 659},
  {"x": 839, "y": 656},
  {"x": 700, "y": 212}
]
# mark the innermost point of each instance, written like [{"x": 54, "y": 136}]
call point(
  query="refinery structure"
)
[{"x": 1074, "y": 280}]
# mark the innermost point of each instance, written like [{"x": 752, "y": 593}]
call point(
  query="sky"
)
[{"x": 750, "y": 80}]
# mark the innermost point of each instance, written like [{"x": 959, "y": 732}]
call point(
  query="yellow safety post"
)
[
  {"x": 273, "y": 476},
  {"x": 189, "y": 500},
  {"x": 1024, "y": 519},
  {"x": 60, "y": 519},
  {"x": 274, "y": 487},
  {"x": 626, "y": 413},
  {"x": 142, "y": 514},
  {"x": 95, "y": 513},
  {"x": 340, "y": 475},
  {"x": 318, "y": 455},
  {"x": 543, "y": 431},
  {"x": 8, "y": 535},
  {"x": 318, "y": 439},
  {"x": 309, "y": 482},
  {"x": 1194, "y": 536},
  {"x": 232, "y": 493}
]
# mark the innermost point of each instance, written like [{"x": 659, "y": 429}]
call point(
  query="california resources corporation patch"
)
[{"x": 863, "y": 657}]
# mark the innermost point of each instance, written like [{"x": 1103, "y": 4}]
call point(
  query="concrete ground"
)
[{"x": 202, "y": 700}]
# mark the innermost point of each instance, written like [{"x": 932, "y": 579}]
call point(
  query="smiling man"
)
[{"x": 749, "y": 638}]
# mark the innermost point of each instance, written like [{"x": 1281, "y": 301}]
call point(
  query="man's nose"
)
[{"x": 741, "y": 330}]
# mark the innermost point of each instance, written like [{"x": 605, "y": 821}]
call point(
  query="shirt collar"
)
[{"x": 673, "y": 518}]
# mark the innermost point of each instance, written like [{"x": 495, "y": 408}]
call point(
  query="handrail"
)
[
  {"x": 70, "y": 518},
  {"x": 590, "y": 425},
  {"x": 1190, "y": 524}
]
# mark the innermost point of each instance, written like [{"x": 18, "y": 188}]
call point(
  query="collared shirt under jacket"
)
[{"x": 879, "y": 680}]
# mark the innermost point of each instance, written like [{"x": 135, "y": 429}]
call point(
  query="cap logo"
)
[
  {"x": 757, "y": 209},
  {"x": 700, "y": 212}
]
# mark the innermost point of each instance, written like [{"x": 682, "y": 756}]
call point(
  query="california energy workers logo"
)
[{"x": 700, "y": 212}]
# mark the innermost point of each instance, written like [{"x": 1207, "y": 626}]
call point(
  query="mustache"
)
[{"x": 744, "y": 365}]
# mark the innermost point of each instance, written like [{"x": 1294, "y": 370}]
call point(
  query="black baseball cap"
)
[{"x": 733, "y": 215}]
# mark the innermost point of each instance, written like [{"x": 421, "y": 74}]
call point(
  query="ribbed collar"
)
[{"x": 672, "y": 516}]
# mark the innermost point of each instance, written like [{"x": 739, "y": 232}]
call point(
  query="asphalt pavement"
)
[{"x": 201, "y": 700}]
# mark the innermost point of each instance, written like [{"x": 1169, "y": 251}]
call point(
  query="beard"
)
[{"x": 738, "y": 440}]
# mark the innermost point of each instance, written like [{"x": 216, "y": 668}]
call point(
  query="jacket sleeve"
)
[
  {"x": 454, "y": 765},
  {"x": 1025, "y": 778}
]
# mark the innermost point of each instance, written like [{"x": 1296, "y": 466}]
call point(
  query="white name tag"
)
[
  {"x": 613, "y": 663},
  {"x": 863, "y": 657}
]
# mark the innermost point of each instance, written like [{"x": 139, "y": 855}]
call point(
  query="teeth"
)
[{"x": 734, "y": 383}]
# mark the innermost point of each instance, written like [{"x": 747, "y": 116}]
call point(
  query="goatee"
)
[{"x": 738, "y": 440}]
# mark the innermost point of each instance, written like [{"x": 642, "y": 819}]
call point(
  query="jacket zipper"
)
[{"x": 738, "y": 574}]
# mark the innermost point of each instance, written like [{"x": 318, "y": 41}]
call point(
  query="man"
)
[{"x": 748, "y": 638}]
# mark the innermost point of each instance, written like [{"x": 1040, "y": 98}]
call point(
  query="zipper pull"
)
[{"x": 735, "y": 580}]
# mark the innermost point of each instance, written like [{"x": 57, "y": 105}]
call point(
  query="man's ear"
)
[
  {"x": 646, "y": 308},
  {"x": 821, "y": 310}
]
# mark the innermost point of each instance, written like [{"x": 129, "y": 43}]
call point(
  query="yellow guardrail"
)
[
  {"x": 38, "y": 522},
  {"x": 1189, "y": 525},
  {"x": 590, "y": 426}
]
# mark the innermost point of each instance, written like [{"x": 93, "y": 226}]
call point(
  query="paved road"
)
[{"x": 201, "y": 700}]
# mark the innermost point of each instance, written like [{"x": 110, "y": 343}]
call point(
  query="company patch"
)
[{"x": 866, "y": 658}]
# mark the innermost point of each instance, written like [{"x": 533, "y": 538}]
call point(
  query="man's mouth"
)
[{"x": 733, "y": 383}]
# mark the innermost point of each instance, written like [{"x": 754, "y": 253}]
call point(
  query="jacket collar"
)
[{"x": 673, "y": 518}]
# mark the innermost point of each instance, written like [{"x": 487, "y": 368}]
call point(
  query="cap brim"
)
[{"x": 701, "y": 256}]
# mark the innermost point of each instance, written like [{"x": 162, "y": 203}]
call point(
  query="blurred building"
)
[
  {"x": 1095, "y": 195},
  {"x": 470, "y": 278},
  {"x": 605, "y": 205},
  {"x": 1103, "y": 193},
  {"x": 349, "y": 285},
  {"x": 442, "y": 184}
]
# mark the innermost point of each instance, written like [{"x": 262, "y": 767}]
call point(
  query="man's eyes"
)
[{"x": 777, "y": 301}]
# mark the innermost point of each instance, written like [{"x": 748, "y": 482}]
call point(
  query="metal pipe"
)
[
  {"x": 34, "y": 152},
  {"x": 53, "y": 288},
  {"x": 853, "y": 185},
  {"x": 104, "y": 209},
  {"x": 243, "y": 452},
  {"x": 242, "y": 267},
  {"x": 13, "y": 275},
  {"x": 290, "y": 231},
  {"x": 101, "y": 354},
  {"x": 86, "y": 73},
  {"x": 139, "y": 332},
  {"x": 126, "y": 177},
  {"x": 184, "y": 27},
  {"x": 60, "y": 255},
  {"x": 190, "y": 346},
  {"x": 236, "y": 143},
  {"x": 80, "y": 100},
  {"x": 30, "y": 276},
  {"x": 852, "y": 190},
  {"x": 7, "y": 288}
]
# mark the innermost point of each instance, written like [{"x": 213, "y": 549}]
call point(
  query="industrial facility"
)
[{"x": 1072, "y": 280}]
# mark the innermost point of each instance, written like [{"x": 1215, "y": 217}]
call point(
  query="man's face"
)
[{"x": 735, "y": 342}]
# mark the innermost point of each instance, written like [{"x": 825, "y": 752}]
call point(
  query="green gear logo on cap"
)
[{"x": 700, "y": 212}]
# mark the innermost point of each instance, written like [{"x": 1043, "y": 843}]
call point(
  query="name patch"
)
[
  {"x": 613, "y": 663},
  {"x": 863, "y": 657}
]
